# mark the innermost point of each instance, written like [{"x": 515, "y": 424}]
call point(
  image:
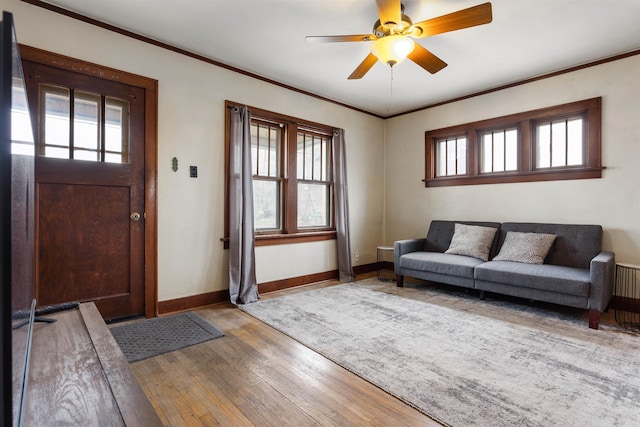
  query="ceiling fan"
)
[{"x": 393, "y": 33}]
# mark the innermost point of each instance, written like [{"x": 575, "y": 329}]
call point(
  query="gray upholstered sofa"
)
[{"x": 574, "y": 272}]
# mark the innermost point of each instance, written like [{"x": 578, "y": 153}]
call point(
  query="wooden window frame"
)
[
  {"x": 102, "y": 104},
  {"x": 589, "y": 109},
  {"x": 315, "y": 179},
  {"x": 289, "y": 232}
]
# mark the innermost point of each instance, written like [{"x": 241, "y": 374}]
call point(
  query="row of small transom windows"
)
[{"x": 558, "y": 144}]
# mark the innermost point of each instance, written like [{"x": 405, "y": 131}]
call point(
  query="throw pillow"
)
[
  {"x": 472, "y": 240},
  {"x": 530, "y": 248}
]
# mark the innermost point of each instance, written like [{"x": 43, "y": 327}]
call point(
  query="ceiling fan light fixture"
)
[{"x": 392, "y": 49}]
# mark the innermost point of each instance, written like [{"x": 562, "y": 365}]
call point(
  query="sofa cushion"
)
[
  {"x": 472, "y": 240},
  {"x": 575, "y": 245},
  {"x": 436, "y": 262},
  {"x": 441, "y": 232},
  {"x": 555, "y": 278},
  {"x": 530, "y": 248}
]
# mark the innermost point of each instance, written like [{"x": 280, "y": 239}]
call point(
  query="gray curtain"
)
[
  {"x": 342, "y": 207},
  {"x": 243, "y": 287}
]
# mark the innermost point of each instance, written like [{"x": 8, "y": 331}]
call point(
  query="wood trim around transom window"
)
[{"x": 589, "y": 109}]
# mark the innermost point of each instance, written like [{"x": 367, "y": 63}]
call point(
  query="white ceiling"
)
[{"x": 527, "y": 38}]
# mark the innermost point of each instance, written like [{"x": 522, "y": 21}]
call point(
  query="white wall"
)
[
  {"x": 191, "y": 259},
  {"x": 386, "y": 155},
  {"x": 612, "y": 201}
]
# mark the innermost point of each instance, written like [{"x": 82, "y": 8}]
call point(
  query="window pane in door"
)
[
  {"x": 86, "y": 126},
  {"x": 116, "y": 131},
  {"x": 55, "y": 126},
  {"x": 56, "y": 152},
  {"x": 99, "y": 125},
  {"x": 21, "y": 131}
]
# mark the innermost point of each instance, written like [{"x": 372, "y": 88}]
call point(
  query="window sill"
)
[
  {"x": 547, "y": 175},
  {"x": 286, "y": 239}
]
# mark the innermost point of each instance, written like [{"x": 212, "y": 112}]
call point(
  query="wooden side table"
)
[
  {"x": 385, "y": 263},
  {"x": 627, "y": 294}
]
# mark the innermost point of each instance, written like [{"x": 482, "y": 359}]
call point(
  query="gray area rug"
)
[
  {"x": 468, "y": 362},
  {"x": 152, "y": 337}
]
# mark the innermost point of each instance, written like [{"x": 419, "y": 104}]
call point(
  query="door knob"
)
[{"x": 134, "y": 216}]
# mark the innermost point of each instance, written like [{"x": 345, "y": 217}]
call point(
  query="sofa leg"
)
[
  {"x": 400, "y": 280},
  {"x": 594, "y": 319},
  {"x": 482, "y": 295}
]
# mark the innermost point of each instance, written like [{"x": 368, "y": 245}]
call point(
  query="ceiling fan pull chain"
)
[{"x": 391, "y": 83}]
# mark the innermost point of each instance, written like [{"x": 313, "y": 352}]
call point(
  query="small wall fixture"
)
[{"x": 174, "y": 164}]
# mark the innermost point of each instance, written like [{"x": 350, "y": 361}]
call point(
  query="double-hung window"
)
[
  {"x": 555, "y": 143},
  {"x": 266, "y": 168},
  {"x": 314, "y": 180},
  {"x": 292, "y": 178}
]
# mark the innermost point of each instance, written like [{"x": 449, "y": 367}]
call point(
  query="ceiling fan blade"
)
[
  {"x": 465, "y": 18},
  {"x": 389, "y": 11},
  {"x": 364, "y": 66},
  {"x": 348, "y": 38},
  {"x": 426, "y": 59}
]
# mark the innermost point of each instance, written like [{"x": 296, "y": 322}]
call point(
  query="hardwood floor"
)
[{"x": 256, "y": 376}]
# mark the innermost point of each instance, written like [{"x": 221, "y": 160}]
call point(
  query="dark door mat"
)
[{"x": 153, "y": 337}]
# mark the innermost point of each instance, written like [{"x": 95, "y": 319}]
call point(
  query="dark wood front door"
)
[{"x": 90, "y": 172}]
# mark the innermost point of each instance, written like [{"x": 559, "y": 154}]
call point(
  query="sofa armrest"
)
[
  {"x": 602, "y": 276},
  {"x": 402, "y": 247}
]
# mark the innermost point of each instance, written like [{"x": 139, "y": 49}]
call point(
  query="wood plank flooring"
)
[{"x": 256, "y": 376}]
